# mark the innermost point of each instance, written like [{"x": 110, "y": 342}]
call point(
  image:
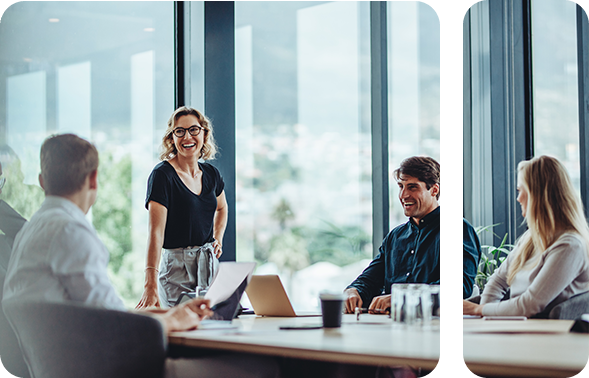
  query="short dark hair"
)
[
  {"x": 423, "y": 168},
  {"x": 66, "y": 161}
]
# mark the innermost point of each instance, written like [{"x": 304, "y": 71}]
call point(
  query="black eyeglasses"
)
[{"x": 192, "y": 130}]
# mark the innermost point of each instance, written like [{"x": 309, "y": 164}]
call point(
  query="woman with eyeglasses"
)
[{"x": 187, "y": 212}]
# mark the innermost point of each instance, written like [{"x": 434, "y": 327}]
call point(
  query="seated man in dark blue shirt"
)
[
  {"x": 471, "y": 255},
  {"x": 410, "y": 253}
]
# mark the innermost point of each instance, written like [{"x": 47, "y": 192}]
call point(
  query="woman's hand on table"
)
[
  {"x": 469, "y": 308},
  {"x": 149, "y": 298}
]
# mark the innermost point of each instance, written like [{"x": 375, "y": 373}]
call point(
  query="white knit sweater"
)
[{"x": 549, "y": 278}]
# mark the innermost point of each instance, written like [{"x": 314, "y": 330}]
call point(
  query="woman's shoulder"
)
[
  {"x": 571, "y": 237},
  {"x": 210, "y": 169},
  {"x": 162, "y": 171},
  {"x": 572, "y": 242},
  {"x": 163, "y": 168}
]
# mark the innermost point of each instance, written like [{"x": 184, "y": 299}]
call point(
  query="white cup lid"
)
[{"x": 331, "y": 296}]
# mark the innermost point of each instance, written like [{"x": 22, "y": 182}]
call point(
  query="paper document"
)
[{"x": 229, "y": 277}]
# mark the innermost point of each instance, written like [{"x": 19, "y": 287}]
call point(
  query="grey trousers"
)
[{"x": 183, "y": 269}]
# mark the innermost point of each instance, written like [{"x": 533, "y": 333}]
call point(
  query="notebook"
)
[{"x": 268, "y": 297}]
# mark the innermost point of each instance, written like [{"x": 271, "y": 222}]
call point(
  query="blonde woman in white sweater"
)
[{"x": 550, "y": 262}]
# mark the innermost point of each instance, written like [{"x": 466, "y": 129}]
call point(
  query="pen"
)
[
  {"x": 362, "y": 310},
  {"x": 375, "y": 310}
]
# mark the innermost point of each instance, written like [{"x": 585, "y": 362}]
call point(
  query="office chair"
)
[
  {"x": 10, "y": 353},
  {"x": 65, "y": 340},
  {"x": 572, "y": 308},
  {"x": 476, "y": 292}
]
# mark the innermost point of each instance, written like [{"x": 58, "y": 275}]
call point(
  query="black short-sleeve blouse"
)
[{"x": 190, "y": 216}]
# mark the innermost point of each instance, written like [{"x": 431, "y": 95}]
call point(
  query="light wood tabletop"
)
[
  {"x": 528, "y": 348},
  {"x": 371, "y": 341}
]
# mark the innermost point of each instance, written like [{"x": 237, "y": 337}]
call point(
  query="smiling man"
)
[{"x": 410, "y": 253}]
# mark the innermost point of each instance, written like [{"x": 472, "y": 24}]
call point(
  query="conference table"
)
[
  {"x": 372, "y": 340},
  {"x": 523, "y": 348}
]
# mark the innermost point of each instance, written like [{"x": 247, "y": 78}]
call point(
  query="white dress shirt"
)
[{"x": 57, "y": 257}]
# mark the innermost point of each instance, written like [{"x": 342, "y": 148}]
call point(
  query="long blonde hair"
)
[
  {"x": 553, "y": 208},
  {"x": 209, "y": 148}
]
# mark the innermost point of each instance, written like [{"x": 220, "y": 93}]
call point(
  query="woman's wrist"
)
[
  {"x": 151, "y": 277},
  {"x": 149, "y": 268}
]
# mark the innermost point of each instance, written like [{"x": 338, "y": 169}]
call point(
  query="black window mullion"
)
[
  {"x": 219, "y": 26},
  {"x": 528, "y": 79},
  {"x": 583, "y": 83},
  {"x": 379, "y": 120},
  {"x": 179, "y": 51}
]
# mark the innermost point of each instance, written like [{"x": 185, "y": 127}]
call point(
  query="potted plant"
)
[{"x": 491, "y": 256}]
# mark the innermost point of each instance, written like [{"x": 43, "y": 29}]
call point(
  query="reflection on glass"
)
[
  {"x": 554, "y": 48},
  {"x": 74, "y": 99},
  {"x": 304, "y": 190},
  {"x": 103, "y": 70},
  {"x": 26, "y": 121},
  {"x": 414, "y": 89}
]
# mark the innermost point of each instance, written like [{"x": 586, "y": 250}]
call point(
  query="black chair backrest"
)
[
  {"x": 63, "y": 340},
  {"x": 572, "y": 308},
  {"x": 10, "y": 353}
]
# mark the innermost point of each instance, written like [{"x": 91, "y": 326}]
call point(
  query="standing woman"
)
[
  {"x": 187, "y": 212},
  {"x": 550, "y": 262}
]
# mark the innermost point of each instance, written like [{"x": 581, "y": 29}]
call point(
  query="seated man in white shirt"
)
[{"x": 58, "y": 257}]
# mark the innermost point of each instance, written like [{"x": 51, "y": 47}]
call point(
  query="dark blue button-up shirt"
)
[
  {"x": 410, "y": 253},
  {"x": 471, "y": 255}
]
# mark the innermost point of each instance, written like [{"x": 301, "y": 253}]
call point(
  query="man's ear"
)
[
  {"x": 93, "y": 179},
  {"x": 41, "y": 182},
  {"x": 435, "y": 190}
]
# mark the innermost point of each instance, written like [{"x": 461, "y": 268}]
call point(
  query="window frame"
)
[
  {"x": 219, "y": 72},
  {"x": 511, "y": 112}
]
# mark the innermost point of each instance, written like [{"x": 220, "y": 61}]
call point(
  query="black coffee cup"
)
[{"x": 332, "y": 306}]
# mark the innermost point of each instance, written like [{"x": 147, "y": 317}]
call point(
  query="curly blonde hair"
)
[{"x": 209, "y": 149}]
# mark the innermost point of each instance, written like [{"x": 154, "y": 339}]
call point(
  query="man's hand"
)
[
  {"x": 353, "y": 300},
  {"x": 186, "y": 316},
  {"x": 200, "y": 306},
  {"x": 380, "y": 304}
]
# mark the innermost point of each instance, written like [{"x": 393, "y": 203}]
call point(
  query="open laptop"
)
[{"x": 268, "y": 297}]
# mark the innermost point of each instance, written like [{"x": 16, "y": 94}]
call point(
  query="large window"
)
[
  {"x": 522, "y": 75},
  {"x": 303, "y": 142},
  {"x": 414, "y": 88},
  {"x": 102, "y": 70},
  {"x": 303, "y": 165},
  {"x": 303, "y": 133},
  {"x": 556, "y": 105}
]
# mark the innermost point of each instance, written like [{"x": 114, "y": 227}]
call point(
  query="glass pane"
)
[
  {"x": 414, "y": 89},
  {"x": 102, "y": 70},
  {"x": 304, "y": 192},
  {"x": 197, "y": 55},
  {"x": 556, "y": 117}
]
